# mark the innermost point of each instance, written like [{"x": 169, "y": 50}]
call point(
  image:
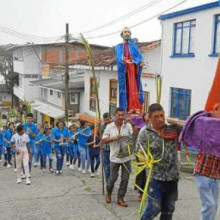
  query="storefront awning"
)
[{"x": 48, "y": 109}]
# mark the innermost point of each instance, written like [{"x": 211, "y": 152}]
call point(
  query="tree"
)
[{"x": 6, "y": 69}]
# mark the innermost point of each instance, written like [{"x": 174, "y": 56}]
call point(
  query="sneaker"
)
[
  {"x": 35, "y": 164},
  {"x": 60, "y": 171},
  {"x": 9, "y": 165},
  {"x": 72, "y": 167},
  {"x": 5, "y": 164},
  {"x": 23, "y": 176},
  {"x": 96, "y": 172},
  {"x": 15, "y": 170},
  {"x": 18, "y": 180},
  {"x": 84, "y": 172},
  {"x": 44, "y": 170},
  {"x": 28, "y": 182},
  {"x": 92, "y": 175},
  {"x": 51, "y": 170},
  {"x": 57, "y": 172},
  {"x": 79, "y": 169},
  {"x": 67, "y": 163}
]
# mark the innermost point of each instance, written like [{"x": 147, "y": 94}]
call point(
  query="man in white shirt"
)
[{"x": 112, "y": 135}]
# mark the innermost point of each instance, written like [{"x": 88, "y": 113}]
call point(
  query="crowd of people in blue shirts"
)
[{"x": 78, "y": 145}]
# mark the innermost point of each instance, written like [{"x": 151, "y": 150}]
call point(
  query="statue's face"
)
[{"x": 126, "y": 34}]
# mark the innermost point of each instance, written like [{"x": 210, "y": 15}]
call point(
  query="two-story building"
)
[
  {"x": 37, "y": 61},
  {"x": 50, "y": 106},
  {"x": 190, "y": 47}
]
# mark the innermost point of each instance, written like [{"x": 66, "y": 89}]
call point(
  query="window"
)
[
  {"x": 73, "y": 99},
  {"x": 92, "y": 101},
  {"x": 59, "y": 95},
  {"x": 51, "y": 92},
  {"x": 216, "y": 35},
  {"x": 180, "y": 103},
  {"x": 146, "y": 101},
  {"x": 184, "y": 36},
  {"x": 113, "y": 90},
  {"x": 31, "y": 76}
]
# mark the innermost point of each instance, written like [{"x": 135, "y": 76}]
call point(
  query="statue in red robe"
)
[{"x": 129, "y": 64}]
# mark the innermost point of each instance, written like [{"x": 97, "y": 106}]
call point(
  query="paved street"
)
[{"x": 77, "y": 196}]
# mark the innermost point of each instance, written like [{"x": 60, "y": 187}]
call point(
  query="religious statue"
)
[{"x": 129, "y": 64}]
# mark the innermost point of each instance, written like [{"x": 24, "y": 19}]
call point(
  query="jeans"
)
[
  {"x": 161, "y": 199},
  {"x": 77, "y": 156},
  {"x": 8, "y": 154},
  {"x": 84, "y": 155},
  {"x": 60, "y": 152},
  {"x": 71, "y": 155},
  {"x": 92, "y": 161},
  {"x": 1, "y": 151},
  {"x": 68, "y": 154},
  {"x": 50, "y": 157},
  {"x": 32, "y": 154},
  {"x": 106, "y": 155},
  {"x": 208, "y": 191},
  {"x": 35, "y": 153},
  {"x": 125, "y": 172}
]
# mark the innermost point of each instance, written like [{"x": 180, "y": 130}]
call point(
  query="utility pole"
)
[{"x": 67, "y": 74}]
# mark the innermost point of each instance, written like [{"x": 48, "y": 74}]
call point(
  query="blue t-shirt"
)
[
  {"x": 96, "y": 150},
  {"x": 7, "y": 135},
  {"x": 57, "y": 134},
  {"x": 33, "y": 129},
  {"x": 47, "y": 144},
  {"x": 38, "y": 138},
  {"x": 82, "y": 140}
]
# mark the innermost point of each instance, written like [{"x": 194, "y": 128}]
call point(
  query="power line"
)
[
  {"x": 125, "y": 16},
  {"x": 139, "y": 23},
  {"x": 25, "y": 36}
]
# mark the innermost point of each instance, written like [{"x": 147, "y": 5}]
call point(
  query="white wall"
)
[
  {"x": 152, "y": 58},
  {"x": 104, "y": 77},
  {"x": 29, "y": 63},
  {"x": 30, "y": 92},
  {"x": 189, "y": 73},
  {"x": 53, "y": 99}
]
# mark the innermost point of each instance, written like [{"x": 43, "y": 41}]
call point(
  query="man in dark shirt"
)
[{"x": 162, "y": 142}]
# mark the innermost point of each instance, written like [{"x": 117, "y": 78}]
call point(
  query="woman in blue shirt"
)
[
  {"x": 7, "y": 137},
  {"x": 60, "y": 138},
  {"x": 83, "y": 135},
  {"x": 47, "y": 149}
]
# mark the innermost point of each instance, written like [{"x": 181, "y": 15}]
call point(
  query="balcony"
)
[{"x": 19, "y": 92}]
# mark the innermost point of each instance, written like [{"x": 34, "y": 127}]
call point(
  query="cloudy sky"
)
[{"x": 46, "y": 19}]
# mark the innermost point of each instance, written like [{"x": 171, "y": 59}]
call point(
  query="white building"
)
[{"x": 190, "y": 46}]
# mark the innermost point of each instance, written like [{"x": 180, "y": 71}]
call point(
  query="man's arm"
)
[
  {"x": 106, "y": 136},
  {"x": 173, "y": 121}
]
